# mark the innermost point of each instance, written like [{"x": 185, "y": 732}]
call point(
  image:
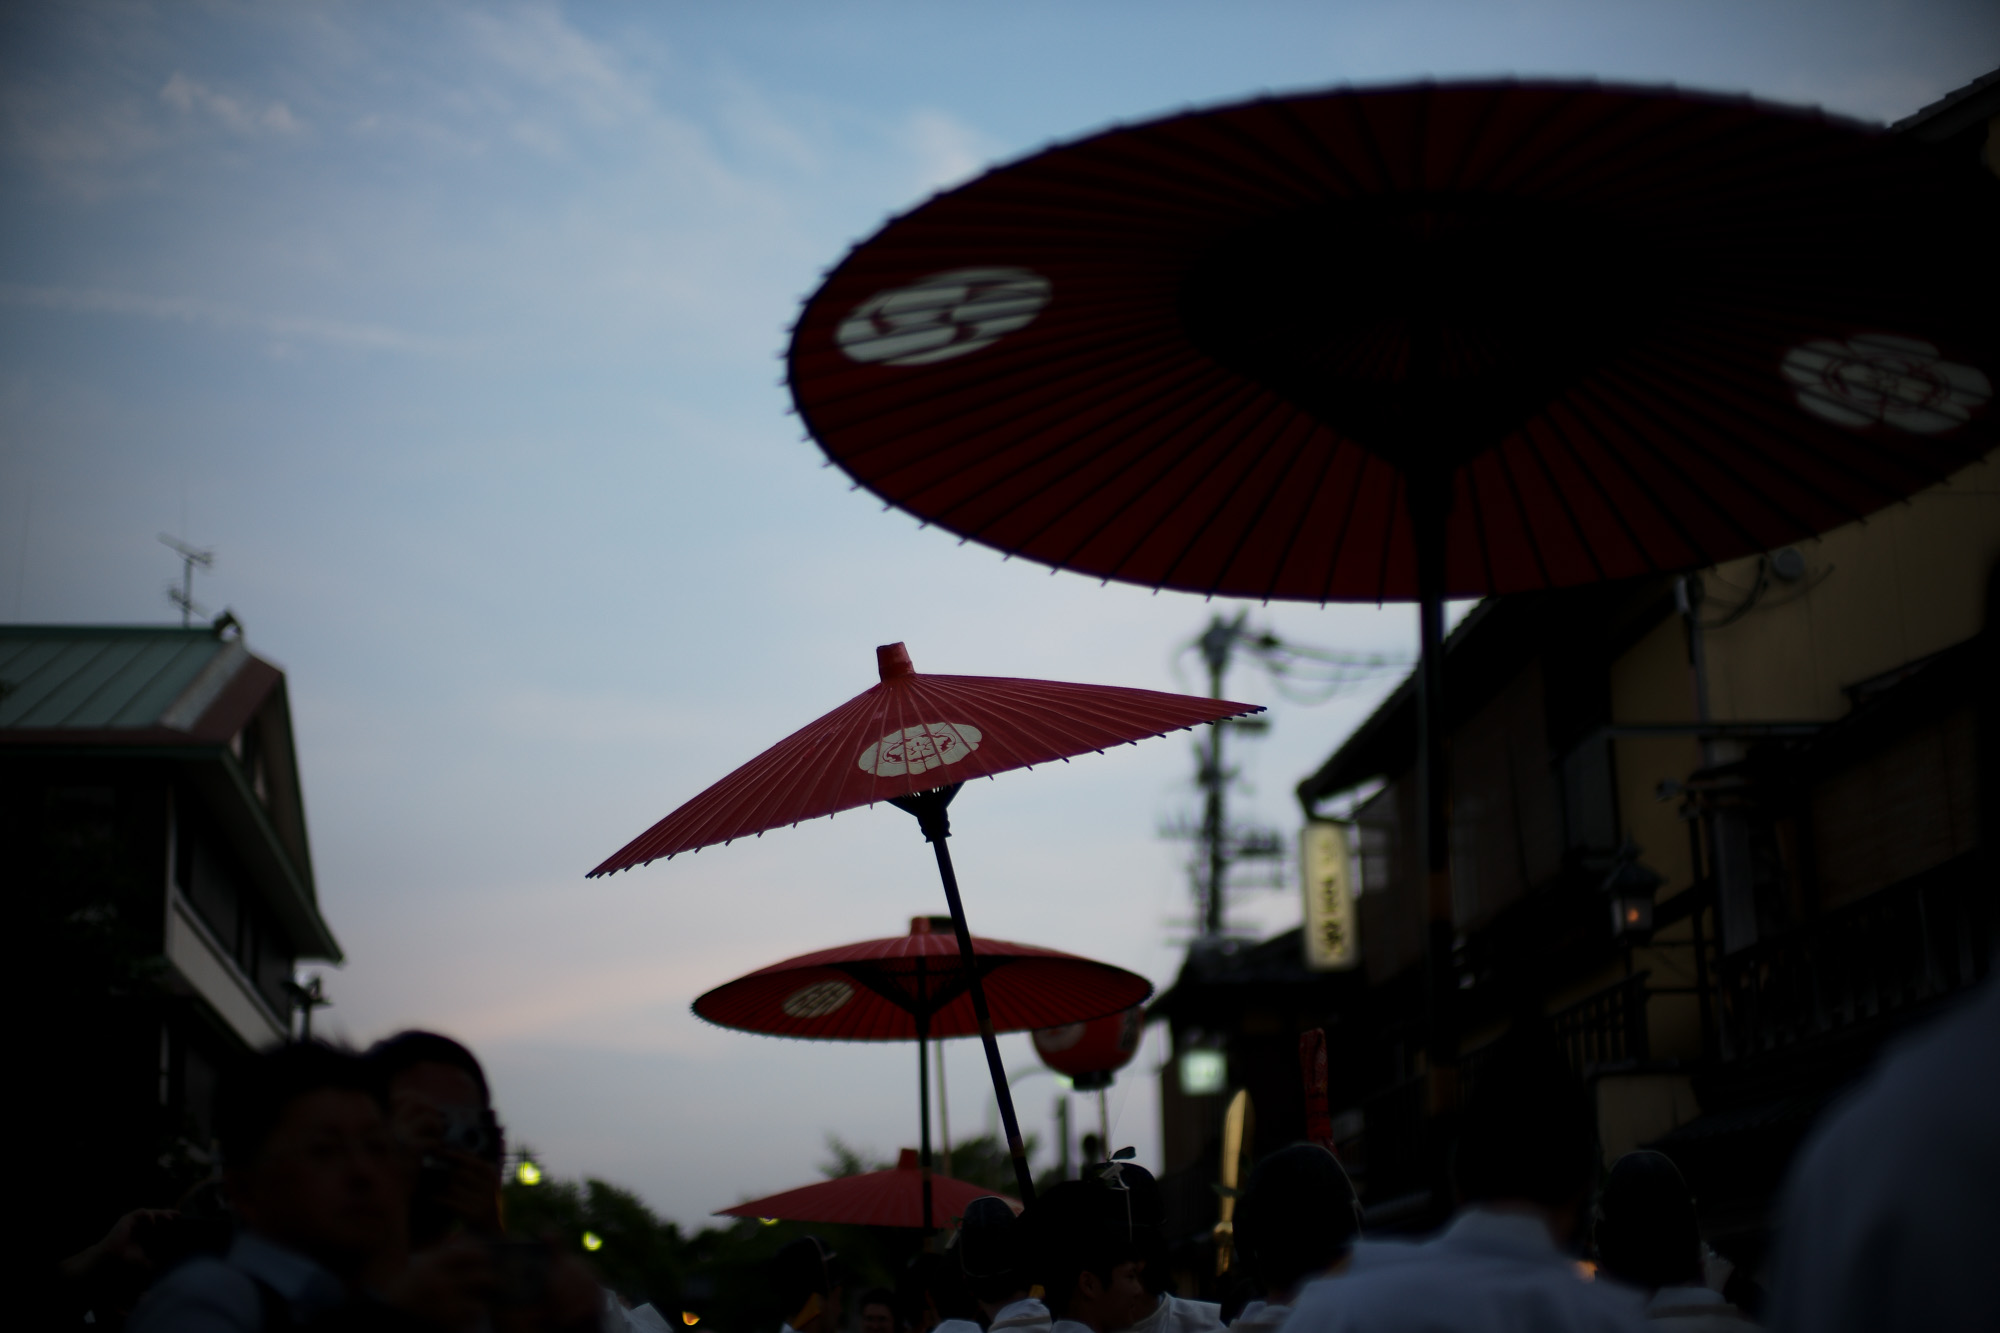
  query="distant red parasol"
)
[
  {"x": 912, "y": 741},
  {"x": 916, "y": 987},
  {"x": 892, "y": 1198}
]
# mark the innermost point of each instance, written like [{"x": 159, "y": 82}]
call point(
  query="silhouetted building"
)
[{"x": 155, "y": 840}]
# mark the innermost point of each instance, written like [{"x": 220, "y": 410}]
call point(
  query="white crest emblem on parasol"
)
[
  {"x": 817, "y": 1000},
  {"x": 920, "y": 749},
  {"x": 1901, "y": 382},
  {"x": 945, "y": 315}
]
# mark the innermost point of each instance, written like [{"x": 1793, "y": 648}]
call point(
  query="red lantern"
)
[{"x": 1090, "y": 1053}]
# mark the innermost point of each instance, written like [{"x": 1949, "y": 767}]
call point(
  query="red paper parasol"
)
[
  {"x": 917, "y": 986},
  {"x": 892, "y": 1198},
  {"x": 1418, "y": 342},
  {"x": 912, "y": 733},
  {"x": 912, "y": 740},
  {"x": 1617, "y": 331}
]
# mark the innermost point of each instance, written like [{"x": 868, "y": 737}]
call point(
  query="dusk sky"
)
[{"x": 454, "y": 329}]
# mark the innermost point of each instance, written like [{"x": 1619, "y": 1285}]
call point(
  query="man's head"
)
[
  {"x": 877, "y": 1308},
  {"x": 1089, "y": 1254},
  {"x": 1646, "y": 1229},
  {"x": 438, "y": 1095},
  {"x": 988, "y": 1244},
  {"x": 1297, "y": 1218},
  {"x": 307, "y": 1156},
  {"x": 1527, "y": 1136},
  {"x": 808, "y": 1285}
]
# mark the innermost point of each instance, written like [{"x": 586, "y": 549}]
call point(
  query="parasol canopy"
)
[
  {"x": 891, "y": 1198},
  {"x": 1598, "y": 332},
  {"x": 913, "y": 733},
  {"x": 916, "y": 986}
]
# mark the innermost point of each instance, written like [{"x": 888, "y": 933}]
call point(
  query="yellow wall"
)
[
  {"x": 1900, "y": 586},
  {"x": 1877, "y": 594},
  {"x": 1652, "y": 683}
]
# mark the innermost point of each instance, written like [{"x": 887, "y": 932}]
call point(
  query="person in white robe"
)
[
  {"x": 1092, "y": 1243},
  {"x": 1508, "y": 1259}
]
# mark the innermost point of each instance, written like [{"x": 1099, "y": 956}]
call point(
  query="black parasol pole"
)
[
  {"x": 1430, "y": 507},
  {"x": 929, "y": 808},
  {"x": 924, "y": 1100}
]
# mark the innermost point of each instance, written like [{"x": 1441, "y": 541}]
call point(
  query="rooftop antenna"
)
[{"x": 183, "y": 596}]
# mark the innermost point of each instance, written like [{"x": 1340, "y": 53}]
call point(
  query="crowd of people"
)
[{"x": 362, "y": 1191}]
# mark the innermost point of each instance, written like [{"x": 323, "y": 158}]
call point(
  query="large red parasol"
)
[
  {"x": 912, "y": 740},
  {"x": 918, "y": 986},
  {"x": 1418, "y": 341},
  {"x": 891, "y": 1198}
]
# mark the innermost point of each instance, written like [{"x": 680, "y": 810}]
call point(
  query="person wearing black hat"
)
[
  {"x": 1647, "y": 1237},
  {"x": 989, "y": 1254},
  {"x": 1100, "y": 1258},
  {"x": 808, "y": 1285},
  {"x": 1145, "y": 1214},
  {"x": 1296, "y": 1221}
]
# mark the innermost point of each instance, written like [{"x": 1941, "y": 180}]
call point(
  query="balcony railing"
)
[
  {"x": 1889, "y": 953},
  {"x": 1606, "y": 1029}
]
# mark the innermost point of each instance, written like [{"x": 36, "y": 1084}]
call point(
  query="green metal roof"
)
[{"x": 105, "y": 677}]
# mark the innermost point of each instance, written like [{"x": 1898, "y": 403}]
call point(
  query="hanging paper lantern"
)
[{"x": 1090, "y": 1053}]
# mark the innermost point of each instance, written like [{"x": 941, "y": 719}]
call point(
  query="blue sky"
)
[{"x": 454, "y": 329}]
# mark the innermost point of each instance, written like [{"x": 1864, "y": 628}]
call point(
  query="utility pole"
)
[
  {"x": 1218, "y": 644},
  {"x": 1304, "y": 675}
]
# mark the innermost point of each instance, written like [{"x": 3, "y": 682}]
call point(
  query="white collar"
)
[
  {"x": 1675, "y": 1296},
  {"x": 1027, "y": 1309},
  {"x": 1521, "y": 1235}
]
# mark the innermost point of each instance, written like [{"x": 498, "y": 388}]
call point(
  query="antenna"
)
[{"x": 183, "y": 596}]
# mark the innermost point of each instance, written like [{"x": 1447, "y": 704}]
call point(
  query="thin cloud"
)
[
  {"x": 188, "y": 310},
  {"x": 191, "y": 97}
]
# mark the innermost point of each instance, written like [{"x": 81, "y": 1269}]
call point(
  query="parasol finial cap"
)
[{"x": 893, "y": 660}]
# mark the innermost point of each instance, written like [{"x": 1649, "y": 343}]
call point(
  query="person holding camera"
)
[{"x": 441, "y": 1112}]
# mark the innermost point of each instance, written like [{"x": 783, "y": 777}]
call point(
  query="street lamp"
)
[{"x": 1630, "y": 885}]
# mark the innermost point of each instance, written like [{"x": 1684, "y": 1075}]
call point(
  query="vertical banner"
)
[{"x": 1327, "y": 875}]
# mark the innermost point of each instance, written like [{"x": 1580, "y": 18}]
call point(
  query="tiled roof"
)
[{"x": 99, "y": 678}]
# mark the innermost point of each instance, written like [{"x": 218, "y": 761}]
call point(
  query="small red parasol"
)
[
  {"x": 917, "y": 986},
  {"x": 911, "y": 741},
  {"x": 892, "y": 1198}
]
